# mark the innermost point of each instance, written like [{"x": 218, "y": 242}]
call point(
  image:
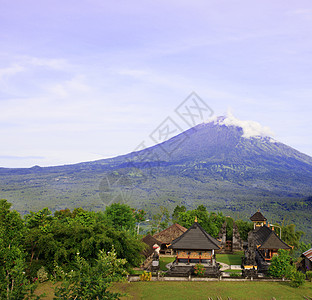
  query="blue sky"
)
[{"x": 84, "y": 80}]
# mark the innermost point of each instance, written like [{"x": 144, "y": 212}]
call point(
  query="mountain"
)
[{"x": 225, "y": 165}]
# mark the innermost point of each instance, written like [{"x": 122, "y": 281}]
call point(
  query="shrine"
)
[
  {"x": 195, "y": 246},
  {"x": 264, "y": 242}
]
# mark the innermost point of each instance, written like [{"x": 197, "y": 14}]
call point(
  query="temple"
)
[
  {"x": 195, "y": 246},
  {"x": 264, "y": 242}
]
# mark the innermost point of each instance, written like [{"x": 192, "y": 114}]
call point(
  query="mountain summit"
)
[{"x": 231, "y": 143}]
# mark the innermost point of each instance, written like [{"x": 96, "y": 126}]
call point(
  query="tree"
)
[
  {"x": 38, "y": 226},
  {"x": 160, "y": 220},
  {"x": 280, "y": 264},
  {"x": 175, "y": 215},
  {"x": 211, "y": 222},
  {"x": 243, "y": 228},
  {"x": 14, "y": 283},
  {"x": 291, "y": 236},
  {"x": 79, "y": 231},
  {"x": 139, "y": 215},
  {"x": 92, "y": 281},
  {"x": 121, "y": 216}
]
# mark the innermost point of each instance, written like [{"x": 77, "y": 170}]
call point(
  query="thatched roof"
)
[
  {"x": 150, "y": 241},
  {"x": 195, "y": 238},
  {"x": 171, "y": 233}
]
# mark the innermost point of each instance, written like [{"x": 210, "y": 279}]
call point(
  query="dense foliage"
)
[
  {"x": 92, "y": 280},
  {"x": 14, "y": 283},
  {"x": 33, "y": 247},
  {"x": 211, "y": 222},
  {"x": 280, "y": 264}
]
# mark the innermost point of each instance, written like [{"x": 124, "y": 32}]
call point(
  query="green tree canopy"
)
[{"x": 121, "y": 216}]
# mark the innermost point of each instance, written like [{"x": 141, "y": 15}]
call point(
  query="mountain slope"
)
[{"x": 217, "y": 164}]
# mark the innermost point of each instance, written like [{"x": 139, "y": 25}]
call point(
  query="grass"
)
[
  {"x": 230, "y": 259},
  {"x": 163, "y": 261},
  {"x": 202, "y": 290},
  {"x": 233, "y": 271},
  {"x": 46, "y": 288}
]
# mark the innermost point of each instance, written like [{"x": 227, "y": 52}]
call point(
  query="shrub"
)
[
  {"x": 309, "y": 275},
  {"x": 92, "y": 281},
  {"x": 297, "y": 279},
  {"x": 146, "y": 276},
  {"x": 199, "y": 270},
  {"x": 280, "y": 264},
  {"x": 42, "y": 274}
]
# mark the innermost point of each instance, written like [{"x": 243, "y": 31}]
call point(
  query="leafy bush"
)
[
  {"x": 199, "y": 270},
  {"x": 42, "y": 274},
  {"x": 146, "y": 276},
  {"x": 309, "y": 275},
  {"x": 297, "y": 279},
  {"x": 92, "y": 281},
  {"x": 280, "y": 264}
]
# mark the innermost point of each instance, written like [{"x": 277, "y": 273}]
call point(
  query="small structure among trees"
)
[
  {"x": 194, "y": 247},
  {"x": 306, "y": 263}
]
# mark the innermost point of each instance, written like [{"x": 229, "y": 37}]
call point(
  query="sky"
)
[{"x": 91, "y": 79}]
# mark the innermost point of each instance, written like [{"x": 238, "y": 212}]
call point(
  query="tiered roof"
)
[
  {"x": 266, "y": 238},
  {"x": 171, "y": 233},
  {"x": 258, "y": 217},
  {"x": 195, "y": 238}
]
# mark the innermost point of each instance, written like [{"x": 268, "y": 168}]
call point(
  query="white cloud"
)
[
  {"x": 10, "y": 71},
  {"x": 250, "y": 128}
]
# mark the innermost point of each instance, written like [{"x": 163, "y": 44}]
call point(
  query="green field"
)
[
  {"x": 203, "y": 290},
  {"x": 230, "y": 259}
]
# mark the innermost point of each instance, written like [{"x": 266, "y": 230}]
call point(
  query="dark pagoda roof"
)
[
  {"x": 258, "y": 217},
  {"x": 266, "y": 238},
  {"x": 195, "y": 238}
]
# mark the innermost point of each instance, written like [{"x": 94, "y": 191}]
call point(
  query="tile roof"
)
[
  {"x": 267, "y": 239},
  {"x": 258, "y": 216},
  {"x": 171, "y": 233},
  {"x": 308, "y": 254},
  {"x": 195, "y": 238}
]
